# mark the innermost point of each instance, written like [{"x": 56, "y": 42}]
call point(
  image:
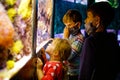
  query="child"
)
[
  {"x": 54, "y": 69},
  {"x": 73, "y": 20},
  {"x": 99, "y": 56}
]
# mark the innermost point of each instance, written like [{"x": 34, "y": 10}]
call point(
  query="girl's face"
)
[{"x": 50, "y": 48}]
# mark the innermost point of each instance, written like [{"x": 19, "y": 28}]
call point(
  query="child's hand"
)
[
  {"x": 43, "y": 55},
  {"x": 42, "y": 50},
  {"x": 39, "y": 63},
  {"x": 66, "y": 33},
  {"x": 39, "y": 69}
]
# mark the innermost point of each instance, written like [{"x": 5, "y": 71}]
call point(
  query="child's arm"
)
[
  {"x": 66, "y": 33},
  {"x": 43, "y": 55},
  {"x": 39, "y": 69}
]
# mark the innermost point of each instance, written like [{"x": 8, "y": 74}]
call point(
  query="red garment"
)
[{"x": 53, "y": 71}]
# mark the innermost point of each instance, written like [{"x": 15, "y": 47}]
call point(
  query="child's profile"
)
[{"x": 59, "y": 51}]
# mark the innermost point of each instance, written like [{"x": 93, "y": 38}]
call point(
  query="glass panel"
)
[
  {"x": 44, "y": 22},
  {"x": 16, "y": 15},
  {"x": 45, "y": 11}
]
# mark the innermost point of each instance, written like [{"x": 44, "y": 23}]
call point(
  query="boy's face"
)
[
  {"x": 73, "y": 27},
  {"x": 91, "y": 19},
  {"x": 70, "y": 24},
  {"x": 91, "y": 23}
]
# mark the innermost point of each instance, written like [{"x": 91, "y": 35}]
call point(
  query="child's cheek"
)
[{"x": 49, "y": 49}]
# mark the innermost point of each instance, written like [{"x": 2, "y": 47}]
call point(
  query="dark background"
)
[{"x": 61, "y": 6}]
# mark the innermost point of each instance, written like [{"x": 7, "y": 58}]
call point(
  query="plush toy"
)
[
  {"x": 10, "y": 64},
  {"x": 25, "y": 10},
  {"x": 17, "y": 46},
  {"x": 10, "y": 2},
  {"x": 11, "y": 13}
]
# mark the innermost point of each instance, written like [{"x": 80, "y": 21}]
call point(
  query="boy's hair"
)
[
  {"x": 104, "y": 10},
  {"x": 63, "y": 47},
  {"x": 72, "y": 15}
]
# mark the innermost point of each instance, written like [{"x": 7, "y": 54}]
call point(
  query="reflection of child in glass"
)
[
  {"x": 54, "y": 69},
  {"x": 73, "y": 20}
]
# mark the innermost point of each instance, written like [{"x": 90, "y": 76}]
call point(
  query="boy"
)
[{"x": 73, "y": 20}]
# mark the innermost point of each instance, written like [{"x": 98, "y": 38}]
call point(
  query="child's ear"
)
[
  {"x": 97, "y": 18},
  {"x": 79, "y": 24},
  {"x": 56, "y": 53}
]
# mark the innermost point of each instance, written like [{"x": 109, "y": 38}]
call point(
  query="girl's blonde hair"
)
[{"x": 64, "y": 49}]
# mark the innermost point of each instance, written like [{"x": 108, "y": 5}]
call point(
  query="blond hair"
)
[
  {"x": 72, "y": 15},
  {"x": 64, "y": 49}
]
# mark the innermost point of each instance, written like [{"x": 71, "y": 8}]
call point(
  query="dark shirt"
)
[{"x": 99, "y": 57}]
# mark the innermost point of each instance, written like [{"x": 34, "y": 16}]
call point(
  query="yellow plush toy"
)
[
  {"x": 11, "y": 13},
  {"x": 17, "y": 46},
  {"x": 25, "y": 10},
  {"x": 10, "y": 64},
  {"x": 10, "y": 2}
]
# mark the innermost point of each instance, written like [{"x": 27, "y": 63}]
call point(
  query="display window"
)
[{"x": 15, "y": 36}]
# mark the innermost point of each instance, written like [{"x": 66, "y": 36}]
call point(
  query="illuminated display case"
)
[
  {"x": 32, "y": 24},
  {"x": 44, "y": 20},
  {"x": 14, "y": 14}
]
